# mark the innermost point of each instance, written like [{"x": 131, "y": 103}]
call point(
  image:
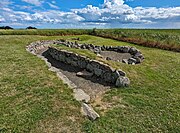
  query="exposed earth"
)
[{"x": 115, "y": 56}]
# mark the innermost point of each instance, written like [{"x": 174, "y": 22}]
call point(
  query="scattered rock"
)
[{"x": 89, "y": 111}]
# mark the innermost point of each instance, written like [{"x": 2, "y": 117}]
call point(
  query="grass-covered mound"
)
[{"x": 34, "y": 99}]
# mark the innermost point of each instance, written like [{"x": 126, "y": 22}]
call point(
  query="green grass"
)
[
  {"x": 45, "y": 32},
  {"x": 34, "y": 99},
  {"x": 163, "y": 39},
  {"x": 168, "y": 39},
  {"x": 82, "y": 52}
]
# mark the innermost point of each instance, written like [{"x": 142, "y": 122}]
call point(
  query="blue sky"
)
[{"x": 90, "y": 13}]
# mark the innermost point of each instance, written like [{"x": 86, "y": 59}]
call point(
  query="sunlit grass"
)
[{"x": 34, "y": 99}]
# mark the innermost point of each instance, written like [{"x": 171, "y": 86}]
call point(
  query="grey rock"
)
[
  {"x": 122, "y": 81},
  {"x": 80, "y": 95},
  {"x": 138, "y": 60},
  {"x": 97, "y": 71},
  {"x": 122, "y": 73},
  {"x": 107, "y": 76},
  {"x": 125, "y": 49},
  {"x": 108, "y": 58},
  {"x": 131, "y": 61},
  {"x": 133, "y": 51},
  {"x": 125, "y": 61},
  {"x": 89, "y": 67},
  {"x": 115, "y": 76},
  {"x": 82, "y": 63},
  {"x": 89, "y": 111},
  {"x": 84, "y": 74}
]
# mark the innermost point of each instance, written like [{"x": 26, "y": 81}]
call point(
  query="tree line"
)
[{"x": 10, "y": 28}]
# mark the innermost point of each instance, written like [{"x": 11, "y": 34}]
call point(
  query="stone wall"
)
[
  {"x": 99, "y": 69},
  {"x": 136, "y": 55}
]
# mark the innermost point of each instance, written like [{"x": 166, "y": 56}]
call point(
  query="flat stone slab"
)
[
  {"x": 80, "y": 95},
  {"x": 89, "y": 111}
]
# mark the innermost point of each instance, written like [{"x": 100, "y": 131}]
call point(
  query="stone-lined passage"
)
[{"x": 99, "y": 69}]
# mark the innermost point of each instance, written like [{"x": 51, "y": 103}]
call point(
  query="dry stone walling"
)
[{"x": 94, "y": 67}]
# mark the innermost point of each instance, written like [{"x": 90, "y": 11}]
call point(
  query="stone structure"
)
[
  {"x": 136, "y": 55},
  {"x": 97, "y": 68},
  {"x": 91, "y": 67}
]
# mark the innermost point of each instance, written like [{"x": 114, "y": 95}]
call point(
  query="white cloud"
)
[
  {"x": 5, "y": 3},
  {"x": 2, "y": 19},
  {"x": 52, "y": 5},
  {"x": 113, "y": 13},
  {"x": 34, "y": 2}
]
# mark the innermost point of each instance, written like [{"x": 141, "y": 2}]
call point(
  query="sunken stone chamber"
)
[{"x": 99, "y": 69}]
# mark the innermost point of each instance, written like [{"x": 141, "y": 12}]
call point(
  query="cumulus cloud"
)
[
  {"x": 113, "y": 13},
  {"x": 34, "y": 2},
  {"x": 39, "y": 17}
]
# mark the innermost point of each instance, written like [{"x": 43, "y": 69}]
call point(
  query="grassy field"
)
[
  {"x": 168, "y": 39},
  {"x": 33, "y": 99},
  {"x": 163, "y": 39}
]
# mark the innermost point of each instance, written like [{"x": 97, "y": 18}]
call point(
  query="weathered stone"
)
[
  {"x": 125, "y": 61},
  {"x": 115, "y": 75},
  {"x": 68, "y": 60},
  {"x": 133, "y": 51},
  {"x": 95, "y": 63},
  {"x": 97, "y": 71},
  {"x": 138, "y": 60},
  {"x": 62, "y": 57},
  {"x": 108, "y": 58},
  {"x": 89, "y": 111},
  {"x": 125, "y": 49},
  {"x": 80, "y": 95},
  {"x": 74, "y": 63},
  {"x": 122, "y": 82},
  {"x": 122, "y": 73},
  {"x": 107, "y": 76},
  {"x": 84, "y": 74},
  {"x": 131, "y": 61},
  {"x": 89, "y": 67}
]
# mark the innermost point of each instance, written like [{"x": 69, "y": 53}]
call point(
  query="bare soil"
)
[{"x": 115, "y": 56}]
